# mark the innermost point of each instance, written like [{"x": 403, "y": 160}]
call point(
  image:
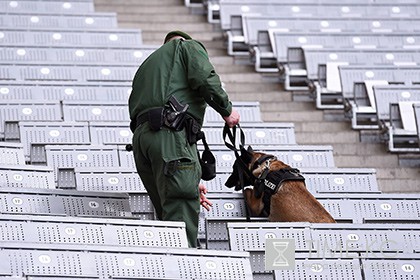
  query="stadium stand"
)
[{"x": 73, "y": 207}]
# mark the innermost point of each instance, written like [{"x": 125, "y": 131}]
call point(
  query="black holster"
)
[
  {"x": 193, "y": 129},
  {"x": 207, "y": 162},
  {"x": 207, "y": 159}
]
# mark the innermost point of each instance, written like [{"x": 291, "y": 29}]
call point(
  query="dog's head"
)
[
  {"x": 250, "y": 160},
  {"x": 239, "y": 166}
]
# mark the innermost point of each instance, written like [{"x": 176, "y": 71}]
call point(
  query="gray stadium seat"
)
[
  {"x": 26, "y": 176},
  {"x": 126, "y": 158},
  {"x": 40, "y": 7},
  {"x": 402, "y": 130},
  {"x": 287, "y": 45},
  {"x": 296, "y": 156},
  {"x": 352, "y": 74},
  {"x": 25, "y": 72},
  {"x": 340, "y": 180},
  {"x": 35, "y": 135},
  {"x": 77, "y": 55},
  {"x": 109, "y": 132},
  {"x": 384, "y": 95},
  {"x": 416, "y": 108},
  {"x": 64, "y": 91},
  {"x": 26, "y": 110},
  {"x": 253, "y": 24},
  {"x": 229, "y": 10},
  {"x": 141, "y": 206},
  {"x": 364, "y": 238},
  {"x": 347, "y": 267},
  {"x": 315, "y": 58},
  {"x": 96, "y": 111},
  {"x": 348, "y": 208},
  {"x": 257, "y": 26},
  {"x": 92, "y": 232},
  {"x": 64, "y": 158},
  {"x": 12, "y": 154},
  {"x": 39, "y": 20},
  {"x": 216, "y": 236},
  {"x": 124, "y": 262},
  {"x": 71, "y": 37},
  {"x": 320, "y": 241},
  {"x": 321, "y": 180},
  {"x": 63, "y": 202},
  {"x": 401, "y": 266},
  {"x": 249, "y": 111},
  {"x": 372, "y": 208},
  {"x": 108, "y": 180},
  {"x": 263, "y": 133}
]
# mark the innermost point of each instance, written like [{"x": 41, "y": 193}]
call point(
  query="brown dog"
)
[{"x": 290, "y": 201}]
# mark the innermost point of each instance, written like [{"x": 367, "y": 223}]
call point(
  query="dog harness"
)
[
  {"x": 269, "y": 182},
  {"x": 272, "y": 180}
]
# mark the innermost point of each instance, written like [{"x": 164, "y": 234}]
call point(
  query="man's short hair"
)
[{"x": 176, "y": 33}]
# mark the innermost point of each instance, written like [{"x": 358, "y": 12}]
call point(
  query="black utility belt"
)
[
  {"x": 157, "y": 118},
  {"x": 161, "y": 117}
]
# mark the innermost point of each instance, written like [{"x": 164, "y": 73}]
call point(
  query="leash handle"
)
[{"x": 231, "y": 134}]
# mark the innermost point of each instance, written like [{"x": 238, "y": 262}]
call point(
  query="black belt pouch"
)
[{"x": 156, "y": 118}]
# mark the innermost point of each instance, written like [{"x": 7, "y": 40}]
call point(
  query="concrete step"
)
[
  {"x": 321, "y": 126},
  {"x": 286, "y": 106},
  {"x": 223, "y": 60},
  {"x": 137, "y": 3},
  {"x": 399, "y": 185},
  {"x": 190, "y": 28},
  {"x": 128, "y": 16},
  {"x": 398, "y": 172},
  {"x": 156, "y": 37},
  {"x": 142, "y": 10},
  {"x": 359, "y": 149},
  {"x": 224, "y": 69},
  {"x": 370, "y": 161},
  {"x": 243, "y": 78},
  {"x": 292, "y": 116},
  {"x": 250, "y": 87},
  {"x": 258, "y": 96},
  {"x": 322, "y": 138}
]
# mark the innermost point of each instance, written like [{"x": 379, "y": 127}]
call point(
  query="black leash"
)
[{"x": 242, "y": 169}]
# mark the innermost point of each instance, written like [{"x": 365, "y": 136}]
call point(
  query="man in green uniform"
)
[{"x": 168, "y": 164}]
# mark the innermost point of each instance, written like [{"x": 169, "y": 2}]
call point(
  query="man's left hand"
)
[{"x": 203, "y": 199}]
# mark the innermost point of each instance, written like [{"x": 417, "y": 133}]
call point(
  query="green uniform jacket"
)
[{"x": 180, "y": 68}]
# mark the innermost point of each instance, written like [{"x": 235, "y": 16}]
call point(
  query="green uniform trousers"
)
[{"x": 170, "y": 171}]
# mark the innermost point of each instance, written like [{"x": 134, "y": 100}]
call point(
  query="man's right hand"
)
[{"x": 232, "y": 119}]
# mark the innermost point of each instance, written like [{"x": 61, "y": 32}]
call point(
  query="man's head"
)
[{"x": 176, "y": 33}]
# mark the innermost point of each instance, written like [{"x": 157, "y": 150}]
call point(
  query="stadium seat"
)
[
  {"x": 27, "y": 176},
  {"x": 71, "y": 37}
]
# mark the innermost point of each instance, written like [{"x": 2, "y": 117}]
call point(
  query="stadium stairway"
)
[{"x": 395, "y": 173}]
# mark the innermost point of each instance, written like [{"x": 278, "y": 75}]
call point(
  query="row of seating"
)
[
  {"x": 41, "y": 7},
  {"x": 318, "y": 242},
  {"x": 375, "y": 237},
  {"x": 22, "y": 37},
  {"x": 122, "y": 262},
  {"x": 62, "y": 21},
  {"x": 340, "y": 58},
  {"x": 125, "y": 180},
  {"x": 51, "y": 225},
  {"x": 77, "y": 55}
]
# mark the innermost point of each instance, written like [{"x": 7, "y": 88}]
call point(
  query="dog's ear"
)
[
  {"x": 233, "y": 179},
  {"x": 250, "y": 150},
  {"x": 246, "y": 155}
]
